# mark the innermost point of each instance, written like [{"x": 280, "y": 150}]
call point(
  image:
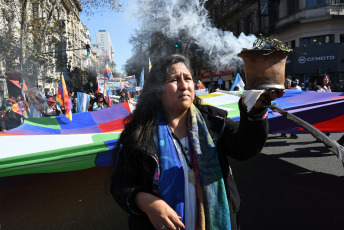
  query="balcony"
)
[{"x": 312, "y": 14}]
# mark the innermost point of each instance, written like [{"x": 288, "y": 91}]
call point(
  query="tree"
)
[
  {"x": 157, "y": 36},
  {"x": 33, "y": 30}
]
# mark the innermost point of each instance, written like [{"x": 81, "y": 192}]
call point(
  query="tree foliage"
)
[{"x": 31, "y": 33}]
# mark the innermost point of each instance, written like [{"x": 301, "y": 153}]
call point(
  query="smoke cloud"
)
[{"x": 172, "y": 17}]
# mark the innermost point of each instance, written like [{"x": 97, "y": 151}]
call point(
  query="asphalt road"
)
[{"x": 293, "y": 184}]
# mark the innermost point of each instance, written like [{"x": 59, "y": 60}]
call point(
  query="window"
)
[
  {"x": 317, "y": 40},
  {"x": 341, "y": 39},
  {"x": 314, "y": 3},
  {"x": 238, "y": 28},
  {"x": 292, "y": 6},
  {"x": 290, "y": 44},
  {"x": 249, "y": 24},
  {"x": 35, "y": 9}
]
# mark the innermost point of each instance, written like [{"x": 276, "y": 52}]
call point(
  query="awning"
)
[{"x": 17, "y": 84}]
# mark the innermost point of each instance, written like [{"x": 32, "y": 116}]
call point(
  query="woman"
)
[
  {"x": 323, "y": 84},
  {"x": 98, "y": 103},
  {"x": 124, "y": 96},
  {"x": 171, "y": 156},
  {"x": 53, "y": 109}
]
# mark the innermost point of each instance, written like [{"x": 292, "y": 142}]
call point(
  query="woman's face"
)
[
  {"x": 287, "y": 84},
  {"x": 179, "y": 90},
  {"x": 325, "y": 80}
]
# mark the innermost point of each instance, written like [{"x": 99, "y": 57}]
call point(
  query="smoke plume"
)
[{"x": 172, "y": 17}]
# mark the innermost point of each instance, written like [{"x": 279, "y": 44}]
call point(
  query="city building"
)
[
  {"x": 312, "y": 28},
  {"x": 104, "y": 47}
]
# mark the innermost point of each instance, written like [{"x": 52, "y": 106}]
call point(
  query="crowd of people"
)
[{"x": 322, "y": 84}]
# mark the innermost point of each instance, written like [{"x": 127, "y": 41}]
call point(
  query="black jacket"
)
[{"x": 239, "y": 140}]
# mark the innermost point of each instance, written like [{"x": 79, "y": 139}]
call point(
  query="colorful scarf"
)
[
  {"x": 211, "y": 198},
  {"x": 171, "y": 181}
]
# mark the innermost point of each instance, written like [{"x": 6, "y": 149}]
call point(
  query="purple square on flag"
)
[
  {"x": 91, "y": 129},
  {"x": 111, "y": 113}
]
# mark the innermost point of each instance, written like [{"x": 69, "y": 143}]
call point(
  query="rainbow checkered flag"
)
[
  {"x": 107, "y": 71},
  {"x": 121, "y": 83},
  {"x": 62, "y": 97},
  {"x": 200, "y": 84}
]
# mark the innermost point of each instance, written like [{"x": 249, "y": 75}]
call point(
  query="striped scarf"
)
[{"x": 211, "y": 198}]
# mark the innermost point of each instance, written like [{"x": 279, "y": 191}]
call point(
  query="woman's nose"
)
[{"x": 182, "y": 83}]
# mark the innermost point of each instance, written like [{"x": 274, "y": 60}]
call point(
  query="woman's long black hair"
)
[{"x": 141, "y": 125}]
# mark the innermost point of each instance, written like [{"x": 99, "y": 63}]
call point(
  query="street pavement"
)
[{"x": 292, "y": 184}]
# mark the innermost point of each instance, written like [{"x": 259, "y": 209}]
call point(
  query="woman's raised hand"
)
[{"x": 158, "y": 211}]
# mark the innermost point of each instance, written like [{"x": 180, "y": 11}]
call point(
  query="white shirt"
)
[{"x": 189, "y": 188}]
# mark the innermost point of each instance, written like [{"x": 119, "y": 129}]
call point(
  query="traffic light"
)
[
  {"x": 176, "y": 45},
  {"x": 88, "y": 48},
  {"x": 21, "y": 82}
]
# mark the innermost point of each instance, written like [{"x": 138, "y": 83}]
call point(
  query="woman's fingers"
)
[{"x": 158, "y": 211}]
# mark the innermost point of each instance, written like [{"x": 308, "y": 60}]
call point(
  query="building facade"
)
[
  {"x": 104, "y": 47},
  {"x": 312, "y": 28},
  {"x": 53, "y": 31}
]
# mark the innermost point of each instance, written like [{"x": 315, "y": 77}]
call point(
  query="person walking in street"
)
[{"x": 171, "y": 165}]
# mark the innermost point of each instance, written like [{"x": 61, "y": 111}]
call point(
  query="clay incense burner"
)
[{"x": 265, "y": 64}]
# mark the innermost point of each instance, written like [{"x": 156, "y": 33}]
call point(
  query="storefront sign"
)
[{"x": 308, "y": 60}]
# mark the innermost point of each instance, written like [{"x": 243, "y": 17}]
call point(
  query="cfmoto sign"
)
[{"x": 303, "y": 59}]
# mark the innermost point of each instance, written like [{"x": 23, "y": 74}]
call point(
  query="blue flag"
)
[
  {"x": 142, "y": 77},
  {"x": 82, "y": 102},
  {"x": 238, "y": 82}
]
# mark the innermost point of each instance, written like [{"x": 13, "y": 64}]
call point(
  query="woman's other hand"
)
[
  {"x": 268, "y": 96},
  {"x": 264, "y": 99},
  {"x": 158, "y": 211}
]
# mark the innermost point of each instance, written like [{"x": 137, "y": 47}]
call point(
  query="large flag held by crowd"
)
[
  {"x": 323, "y": 110},
  {"x": 62, "y": 97},
  {"x": 53, "y": 144}
]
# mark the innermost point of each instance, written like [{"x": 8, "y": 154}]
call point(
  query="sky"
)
[{"x": 120, "y": 26}]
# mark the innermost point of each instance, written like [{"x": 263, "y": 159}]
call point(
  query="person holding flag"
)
[{"x": 98, "y": 103}]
